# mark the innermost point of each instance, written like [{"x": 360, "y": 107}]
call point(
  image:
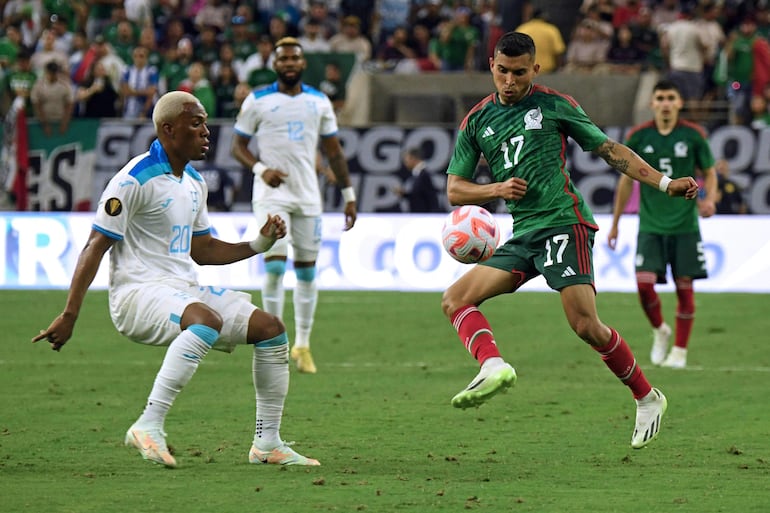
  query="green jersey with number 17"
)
[
  {"x": 677, "y": 154},
  {"x": 529, "y": 140}
]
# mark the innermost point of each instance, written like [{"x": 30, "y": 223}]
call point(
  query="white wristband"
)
[
  {"x": 348, "y": 194},
  {"x": 258, "y": 168},
  {"x": 261, "y": 243},
  {"x": 663, "y": 184}
]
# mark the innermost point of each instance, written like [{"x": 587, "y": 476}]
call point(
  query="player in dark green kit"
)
[
  {"x": 668, "y": 230},
  {"x": 522, "y": 131}
]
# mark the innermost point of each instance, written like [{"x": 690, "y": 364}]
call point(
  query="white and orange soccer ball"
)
[{"x": 470, "y": 234}]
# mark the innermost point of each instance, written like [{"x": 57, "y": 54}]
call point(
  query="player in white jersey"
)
[
  {"x": 288, "y": 118},
  {"x": 153, "y": 216}
]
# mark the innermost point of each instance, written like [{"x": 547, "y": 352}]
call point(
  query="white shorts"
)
[
  {"x": 150, "y": 313},
  {"x": 303, "y": 233}
]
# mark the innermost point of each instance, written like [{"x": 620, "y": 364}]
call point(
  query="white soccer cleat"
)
[
  {"x": 649, "y": 412},
  {"x": 151, "y": 443},
  {"x": 661, "y": 337},
  {"x": 488, "y": 382},
  {"x": 281, "y": 455},
  {"x": 676, "y": 359}
]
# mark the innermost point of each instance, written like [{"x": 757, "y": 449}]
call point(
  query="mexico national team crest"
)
[
  {"x": 113, "y": 207},
  {"x": 680, "y": 149},
  {"x": 533, "y": 119}
]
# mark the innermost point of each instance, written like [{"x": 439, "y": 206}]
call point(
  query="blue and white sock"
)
[
  {"x": 270, "y": 369},
  {"x": 180, "y": 363}
]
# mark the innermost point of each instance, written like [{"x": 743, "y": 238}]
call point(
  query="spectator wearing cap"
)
[
  {"x": 242, "y": 39},
  {"x": 52, "y": 99},
  {"x": 350, "y": 40}
]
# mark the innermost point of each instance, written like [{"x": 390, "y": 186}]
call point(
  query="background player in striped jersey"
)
[
  {"x": 153, "y": 217},
  {"x": 669, "y": 233},
  {"x": 522, "y": 131},
  {"x": 288, "y": 118}
]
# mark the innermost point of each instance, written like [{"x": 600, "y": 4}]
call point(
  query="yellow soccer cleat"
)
[{"x": 304, "y": 359}]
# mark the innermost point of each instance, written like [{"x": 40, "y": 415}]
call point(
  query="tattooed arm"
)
[{"x": 622, "y": 158}]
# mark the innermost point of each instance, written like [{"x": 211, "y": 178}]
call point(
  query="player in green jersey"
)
[
  {"x": 668, "y": 229},
  {"x": 522, "y": 131}
]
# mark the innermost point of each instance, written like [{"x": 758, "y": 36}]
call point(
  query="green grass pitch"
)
[{"x": 377, "y": 415}]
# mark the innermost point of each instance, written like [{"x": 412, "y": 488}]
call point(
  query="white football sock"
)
[
  {"x": 305, "y": 301},
  {"x": 270, "y": 369},
  {"x": 273, "y": 294},
  {"x": 180, "y": 363}
]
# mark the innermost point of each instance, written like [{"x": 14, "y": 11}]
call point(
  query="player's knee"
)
[
  {"x": 586, "y": 328},
  {"x": 198, "y": 313},
  {"x": 449, "y": 303},
  {"x": 263, "y": 326}
]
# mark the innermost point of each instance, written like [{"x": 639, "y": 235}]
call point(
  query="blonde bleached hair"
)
[
  {"x": 288, "y": 41},
  {"x": 169, "y": 107}
]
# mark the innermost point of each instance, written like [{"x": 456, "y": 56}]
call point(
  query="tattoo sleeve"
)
[{"x": 608, "y": 151}]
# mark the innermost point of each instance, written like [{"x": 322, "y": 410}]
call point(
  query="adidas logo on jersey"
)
[
  {"x": 568, "y": 272},
  {"x": 487, "y": 132},
  {"x": 648, "y": 149}
]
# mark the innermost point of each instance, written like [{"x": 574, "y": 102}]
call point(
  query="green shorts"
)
[
  {"x": 563, "y": 255},
  {"x": 683, "y": 251}
]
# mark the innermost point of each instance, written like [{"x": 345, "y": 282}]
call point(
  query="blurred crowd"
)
[{"x": 113, "y": 58}]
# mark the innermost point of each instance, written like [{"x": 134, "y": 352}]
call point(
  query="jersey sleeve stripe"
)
[
  {"x": 640, "y": 126},
  {"x": 547, "y": 90},
  {"x": 108, "y": 233},
  {"x": 694, "y": 126},
  {"x": 146, "y": 170},
  {"x": 475, "y": 109}
]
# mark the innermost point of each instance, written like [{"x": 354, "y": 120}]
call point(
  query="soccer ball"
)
[{"x": 470, "y": 234}]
